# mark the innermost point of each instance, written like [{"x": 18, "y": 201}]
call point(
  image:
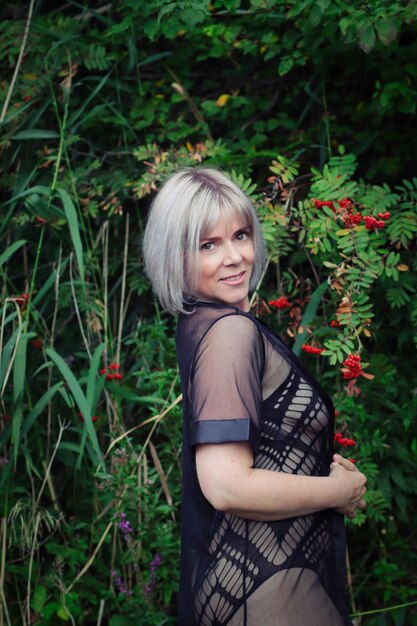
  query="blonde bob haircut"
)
[{"x": 189, "y": 205}]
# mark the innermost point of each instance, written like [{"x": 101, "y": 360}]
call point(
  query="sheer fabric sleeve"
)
[{"x": 226, "y": 383}]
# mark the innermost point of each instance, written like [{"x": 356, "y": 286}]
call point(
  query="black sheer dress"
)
[{"x": 240, "y": 382}]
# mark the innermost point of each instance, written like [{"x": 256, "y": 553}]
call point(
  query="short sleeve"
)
[{"x": 226, "y": 383}]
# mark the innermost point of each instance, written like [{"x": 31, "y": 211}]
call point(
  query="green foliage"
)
[{"x": 303, "y": 102}]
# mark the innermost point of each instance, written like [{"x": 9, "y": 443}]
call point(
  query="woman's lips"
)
[{"x": 234, "y": 279}]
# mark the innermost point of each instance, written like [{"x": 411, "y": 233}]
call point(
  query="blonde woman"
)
[{"x": 264, "y": 496}]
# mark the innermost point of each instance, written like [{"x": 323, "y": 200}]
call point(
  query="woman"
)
[{"x": 263, "y": 495}]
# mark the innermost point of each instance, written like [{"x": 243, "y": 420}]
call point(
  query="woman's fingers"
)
[
  {"x": 361, "y": 505},
  {"x": 337, "y": 458},
  {"x": 352, "y": 486},
  {"x": 351, "y": 511}
]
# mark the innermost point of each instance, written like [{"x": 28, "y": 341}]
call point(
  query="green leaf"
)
[
  {"x": 150, "y": 28},
  {"x": 126, "y": 394},
  {"x": 49, "y": 610},
  {"x": 11, "y": 250},
  {"x": 315, "y": 15},
  {"x": 398, "y": 477},
  {"x": 39, "y": 407},
  {"x": 72, "y": 447},
  {"x": 36, "y": 133},
  {"x": 191, "y": 17},
  {"x": 37, "y": 189},
  {"x": 93, "y": 379},
  {"x": 153, "y": 58},
  {"x": 387, "y": 30},
  {"x": 323, "y": 4},
  {"x": 62, "y": 612},
  {"x": 121, "y": 620},
  {"x": 285, "y": 66},
  {"x": 308, "y": 316},
  {"x": 367, "y": 38},
  {"x": 72, "y": 219},
  {"x": 19, "y": 379},
  {"x": 79, "y": 113},
  {"x": 80, "y": 400},
  {"x": 120, "y": 27},
  {"x": 39, "y": 598},
  {"x": 168, "y": 9},
  {"x": 7, "y": 354},
  {"x": 49, "y": 283}
]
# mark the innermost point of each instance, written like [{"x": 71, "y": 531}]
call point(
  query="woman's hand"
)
[{"x": 352, "y": 486}]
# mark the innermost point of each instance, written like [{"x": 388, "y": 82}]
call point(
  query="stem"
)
[
  {"x": 51, "y": 192},
  {"x": 91, "y": 559},
  {"x": 253, "y": 298},
  {"x": 123, "y": 294},
  {"x": 32, "y": 552},
  {"x": 51, "y": 341},
  {"x": 77, "y": 310},
  {"x": 106, "y": 285},
  {"x": 179, "y": 88},
  {"x": 326, "y": 118},
  {"x": 388, "y": 608},
  {"x": 35, "y": 269},
  {"x": 48, "y": 469},
  {"x": 100, "y": 612},
  {"x": 349, "y": 581},
  {"x": 19, "y": 62},
  {"x": 2, "y": 570},
  {"x": 13, "y": 356}
]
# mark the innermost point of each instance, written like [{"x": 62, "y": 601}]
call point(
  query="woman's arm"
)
[{"x": 230, "y": 483}]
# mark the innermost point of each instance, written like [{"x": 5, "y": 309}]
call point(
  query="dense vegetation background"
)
[{"x": 310, "y": 106}]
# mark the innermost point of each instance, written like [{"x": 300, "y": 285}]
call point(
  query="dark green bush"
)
[{"x": 309, "y": 105}]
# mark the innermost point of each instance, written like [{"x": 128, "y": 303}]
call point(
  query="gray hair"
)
[{"x": 189, "y": 204}]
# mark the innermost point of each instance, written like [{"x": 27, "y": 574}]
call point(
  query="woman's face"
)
[{"x": 226, "y": 259}]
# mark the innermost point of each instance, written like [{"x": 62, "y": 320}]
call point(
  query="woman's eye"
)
[
  {"x": 208, "y": 245},
  {"x": 242, "y": 236}
]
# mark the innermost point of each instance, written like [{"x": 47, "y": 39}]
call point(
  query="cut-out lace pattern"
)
[{"x": 244, "y": 557}]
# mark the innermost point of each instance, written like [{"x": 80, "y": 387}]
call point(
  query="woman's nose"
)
[{"x": 232, "y": 256}]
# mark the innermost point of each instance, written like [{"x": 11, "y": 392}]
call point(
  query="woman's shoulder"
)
[{"x": 214, "y": 319}]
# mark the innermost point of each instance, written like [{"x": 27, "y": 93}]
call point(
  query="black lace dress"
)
[{"x": 240, "y": 382}]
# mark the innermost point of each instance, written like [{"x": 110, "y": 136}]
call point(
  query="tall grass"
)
[{"x": 94, "y": 116}]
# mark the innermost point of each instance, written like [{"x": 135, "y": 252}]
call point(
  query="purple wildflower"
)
[
  {"x": 121, "y": 587},
  {"x": 125, "y": 527},
  {"x": 155, "y": 563},
  {"x": 148, "y": 588},
  {"x": 153, "y": 566}
]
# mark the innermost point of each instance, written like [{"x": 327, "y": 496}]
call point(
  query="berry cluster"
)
[
  {"x": 346, "y": 204},
  {"x": 281, "y": 303},
  {"x": 335, "y": 324},
  {"x": 311, "y": 349},
  {"x": 111, "y": 372},
  {"x": 343, "y": 441},
  {"x": 372, "y": 223},
  {"x": 353, "y": 367},
  {"x": 353, "y": 219},
  {"x": 22, "y": 300},
  {"x": 320, "y": 203},
  {"x": 94, "y": 418}
]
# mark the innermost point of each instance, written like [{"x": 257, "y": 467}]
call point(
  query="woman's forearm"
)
[
  {"x": 231, "y": 484},
  {"x": 265, "y": 495}
]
